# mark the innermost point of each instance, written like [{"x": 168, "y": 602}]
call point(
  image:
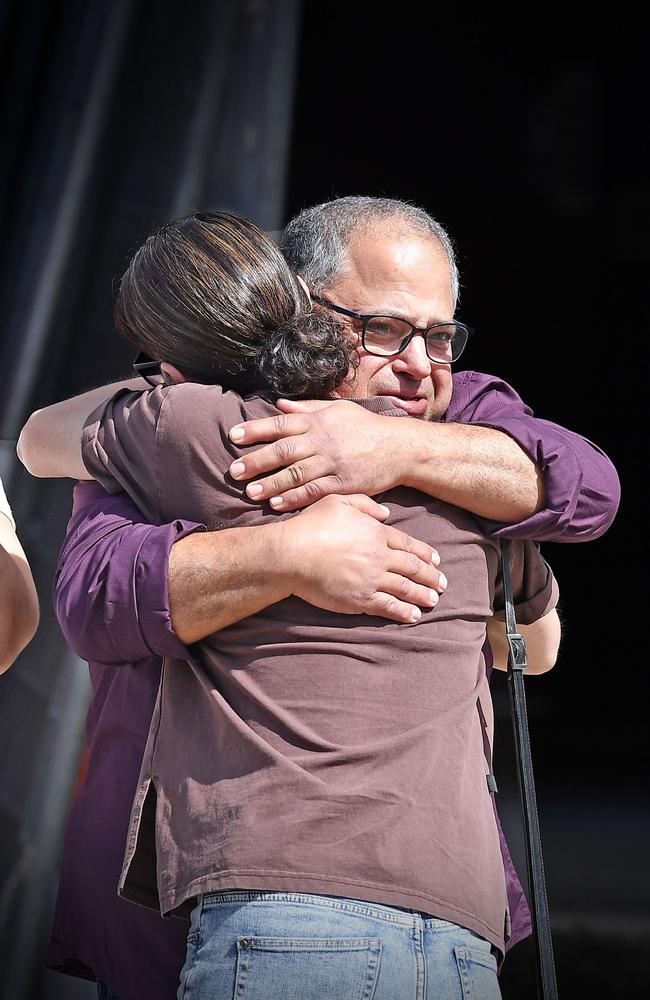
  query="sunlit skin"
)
[{"x": 405, "y": 276}]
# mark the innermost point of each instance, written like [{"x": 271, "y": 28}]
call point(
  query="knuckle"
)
[
  {"x": 295, "y": 475},
  {"x": 390, "y": 606},
  {"x": 312, "y": 491},
  {"x": 283, "y": 423},
  {"x": 423, "y": 551},
  {"x": 293, "y": 500},
  {"x": 368, "y": 598},
  {"x": 255, "y": 462},
  {"x": 413, "y": 565},
  {"x": 284, "y": 450},
  {"x": 331, "y": 484},
  {"x": 406, "y": 542}
]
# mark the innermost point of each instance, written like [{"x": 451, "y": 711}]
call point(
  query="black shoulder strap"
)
[{"x": 517, "y": 662}]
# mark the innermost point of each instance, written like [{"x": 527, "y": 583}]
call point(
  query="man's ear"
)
[
  {"x": 173, "y": 374},
  {"x": 304, "y": 285}
]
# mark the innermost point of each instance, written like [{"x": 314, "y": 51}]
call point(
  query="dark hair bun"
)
[{"x": 306, "y": 358}]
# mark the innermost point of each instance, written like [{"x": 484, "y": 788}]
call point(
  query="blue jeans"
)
[{"x": 294, "y": 946}]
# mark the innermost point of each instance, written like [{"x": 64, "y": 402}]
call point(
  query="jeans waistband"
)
[{"x": 377, "y": 911}]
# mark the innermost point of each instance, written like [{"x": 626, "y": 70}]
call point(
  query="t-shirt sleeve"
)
[
  {"x": 193, "y": 440},
  {"x": 534, "y": 587},
  {"x": 120, "y": 450},
  {"x": 169, "y": 450}
]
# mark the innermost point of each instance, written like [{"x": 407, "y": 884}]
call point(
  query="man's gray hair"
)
[{"x": 316, "y": 241}]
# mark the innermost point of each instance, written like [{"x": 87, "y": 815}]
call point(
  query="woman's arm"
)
[
  {"x": 49, "y": 445},
  {"x": 542, "y": 640},
  {"x": 18, "y": 599},
  {"x": 536, "y": 596}
]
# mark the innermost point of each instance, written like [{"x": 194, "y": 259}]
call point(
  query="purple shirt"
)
[{"x": 112, "y": 603}]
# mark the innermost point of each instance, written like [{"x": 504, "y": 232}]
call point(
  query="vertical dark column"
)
[
  {"x": 42, "y": 704},
  {"x": 236, "y": 153}
]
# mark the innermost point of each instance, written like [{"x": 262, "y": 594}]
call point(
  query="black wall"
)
[{"x": 530, "y": 144}]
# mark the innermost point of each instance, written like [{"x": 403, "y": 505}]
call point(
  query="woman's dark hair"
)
[{"x": 212, "y": 295}]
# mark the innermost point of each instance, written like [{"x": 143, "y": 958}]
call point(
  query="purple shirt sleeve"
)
[
  {"x": 110, "y": 589},
  {"x": 582, "y": 486}
]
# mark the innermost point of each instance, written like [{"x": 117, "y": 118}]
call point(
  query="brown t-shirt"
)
[{"x": 304, "y": 750}]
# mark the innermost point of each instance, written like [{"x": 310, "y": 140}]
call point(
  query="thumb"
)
[
  {"x": 367, "y": 506},
  {"x": 302, "y": 405}
]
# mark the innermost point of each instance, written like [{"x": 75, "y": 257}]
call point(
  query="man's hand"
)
[
  {"x": 319, "y": 448},
  {"x": 337, "y": 555},
  {"x": 337, "y": 446}
]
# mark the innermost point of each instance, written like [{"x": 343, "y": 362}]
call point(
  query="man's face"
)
[{"x": 397, "y": 275}]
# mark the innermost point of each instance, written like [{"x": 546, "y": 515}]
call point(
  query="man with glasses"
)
[
  {"x": 387, "y": 336},
  {"x": 390, "y": 275}
]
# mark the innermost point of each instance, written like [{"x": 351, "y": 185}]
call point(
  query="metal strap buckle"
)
[{"x": 518, "y": 657}]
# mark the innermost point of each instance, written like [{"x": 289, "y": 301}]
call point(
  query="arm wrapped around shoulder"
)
[{"x": 307, "y": 357}]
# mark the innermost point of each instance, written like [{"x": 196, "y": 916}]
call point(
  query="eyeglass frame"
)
[
  {"x": 145, "y": 367},
  {"x": 366, "y": 317}
]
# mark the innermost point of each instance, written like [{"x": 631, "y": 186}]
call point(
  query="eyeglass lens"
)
[{"x": 385, "y": 335}]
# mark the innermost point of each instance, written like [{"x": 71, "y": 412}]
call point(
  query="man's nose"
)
[{"x": 413, "y": 360}]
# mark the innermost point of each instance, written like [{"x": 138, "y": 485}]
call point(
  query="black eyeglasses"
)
[
  {"x": 385, "y": 336},
  {"x": 148, "y": 370}
]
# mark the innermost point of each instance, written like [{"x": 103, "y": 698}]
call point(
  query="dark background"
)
[{"x": 529, "y": 143}]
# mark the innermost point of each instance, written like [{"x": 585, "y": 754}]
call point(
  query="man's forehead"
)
[{"x": 405, "y": 274}]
